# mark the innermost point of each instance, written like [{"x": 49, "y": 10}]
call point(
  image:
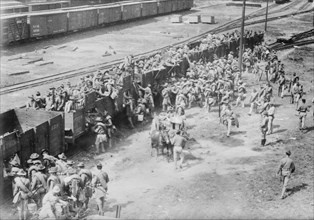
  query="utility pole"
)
[
  {"x": 266, "y": 16},
  {"x": 241, "y": 39}
]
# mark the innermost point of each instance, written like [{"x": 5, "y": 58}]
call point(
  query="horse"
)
[{"x": 159, "y": 141}]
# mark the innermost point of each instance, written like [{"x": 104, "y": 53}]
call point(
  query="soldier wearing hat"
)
[
  {"x": 52, "y": 204},
  {"x": 302, "y": 109},
  {"x": 33, "y": 168},
  {"x": 61, "y": 164},
  {"x": 21, "y": 194},
  {"x": 285, "y": 169},
  {"x": 70, "y": 164},
  {"x": 100, "y": 129},
  {"x": 178, "y": 146},
  {"x": 99, "y": 182},
  {"x": 39, "y": 185},
  {"x": 271, "y": 116},
  {"x": 86, "y": 176},
  {"x": 264, "y": 127},
  {"x": 48, "y": 160},
  {"x": 53, "y": 179}
]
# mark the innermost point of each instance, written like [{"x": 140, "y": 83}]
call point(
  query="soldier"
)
[
  {"x": 99, "y": 182},
  {"x": 285, "y": 169},
  {"x": 100, "y": 129},
  {"x": 241, "y": 95},
  {"x": 302, "y": 109},
  {"x": 39, "y": 185},
  {"x": 73, "y": 186},
  {"x": 253, "y": 100},
  {"x": 264, "y": 127},
  {"x": 128, "y": 103},
  {"x": 33, "y": 169},
  {"x": 52, "y": 204},
  {"x": 229, "y": 117},
  {"x": 48, "y": 160},
  {"x": 281, "y": 83},
  {"x": 86, "y": 176},
  {"x": 109, "y": 126},
  {"x": 166, "y": 98},
  {"x": 21, "y": 194},
  {"x": 53, "y": 179},
  {"x": 178, "y": 146},
  {"x": 271, "y": 116},
  {"x": 61, "y": 164},
  {"x": 70, "y": 164},
  {"x": 155, "y": 124}
]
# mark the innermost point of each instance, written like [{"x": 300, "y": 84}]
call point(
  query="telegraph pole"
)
[
  {"x": 241, "y": 39},
  {"x": 266, "y": 16}
]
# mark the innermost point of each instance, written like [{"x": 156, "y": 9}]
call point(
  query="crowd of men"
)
[{"x": 59, "y": 188}]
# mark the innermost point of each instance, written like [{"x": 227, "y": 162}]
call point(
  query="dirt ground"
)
[{"x": 222, "y": 177}]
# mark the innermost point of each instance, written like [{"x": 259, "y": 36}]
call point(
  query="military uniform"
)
[
  {"x": 285, "y": 169},
  {"x": 99, "y": 182},
  {"x": 21, "y": 194},
  {"x": 86, "y": 177},
  {"x": 39, "y": 185},
  {"x": 302, "y": 109}
]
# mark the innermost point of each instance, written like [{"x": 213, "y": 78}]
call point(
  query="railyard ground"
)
[{"x": 222, "y": 177}]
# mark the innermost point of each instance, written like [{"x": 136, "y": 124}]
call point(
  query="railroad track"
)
[{"x": 83, "y": 71}]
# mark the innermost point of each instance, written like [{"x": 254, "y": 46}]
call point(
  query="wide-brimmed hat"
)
[
  {"x": 41, "y": 167},
  {"x": 81, "y": 164},
  {"x": 34, "y": 156},
  {"x": 62, "y": 156},
  {"x": 44, "y": 150},
  {"x": 53, "y": 170},
  {"x": 288, "y": 152},
  {"x": 36, "y": 162},
  {"x": 30, "y": 161},
  {"x": 21, "y": 173},
  {"x": 56, "y": 189},
  {"x": 98, "y": 119},
  {"x": 99, "y": 165},
  {"x": 70, "y": 162},
  {"x": 71, "y": 171},
  {"x": 14, "y": 163}
]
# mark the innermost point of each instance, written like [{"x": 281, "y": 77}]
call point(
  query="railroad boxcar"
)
[
  {"x": 189, "y": 4},
  {"x": 181, "y": 5},
  {"x": 164, "y": 6},
  {"x": 82, "y": 18},
  {"x": 109, "y": 14},
  {"x": 48, "y": 23},
  {"x": 29, "y": 130},
  {"x": 149, "y": 8},
  {"x": 174, "y": 4},
  {"x": 131, "y": 11},
  {"x": 14, "y": 28}
]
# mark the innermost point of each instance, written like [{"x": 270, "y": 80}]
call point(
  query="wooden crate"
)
[
  {"x": 109, "y": 14},
  {"x": 149, "y": 8},
  {"x": 131, "y": 11}
]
